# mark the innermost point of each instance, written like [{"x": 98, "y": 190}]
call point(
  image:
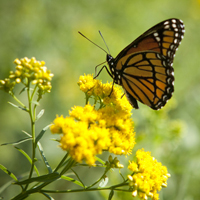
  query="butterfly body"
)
[{"x": 144, "y": 68}]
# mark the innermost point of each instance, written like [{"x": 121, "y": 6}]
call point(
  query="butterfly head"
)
[
  {"x": 116, "y": 74},
  {"x": 110, "y": 60}
]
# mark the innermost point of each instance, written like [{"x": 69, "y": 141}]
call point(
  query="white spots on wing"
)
[
  {"x": 166, "y": 27},
  {"x": 167, "y": 22}
]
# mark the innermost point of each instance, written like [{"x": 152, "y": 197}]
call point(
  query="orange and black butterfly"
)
[{"x": 144, "y": 68}]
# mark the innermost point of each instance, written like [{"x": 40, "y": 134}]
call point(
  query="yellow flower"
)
[
  {"x": 102, "y": 92},
  {"x": 87, "y": 131},
  {"x": 58, "y": 124},
  {"x": 133, "y": 166},
  {"x": 149, "y": 176},
  {"x": 86, "y": 83},
  {"x": 7, "y": 85},
  {"x": 29, "y": 71}
]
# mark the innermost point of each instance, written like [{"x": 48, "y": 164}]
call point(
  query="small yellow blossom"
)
[
  {"x": 87, "y": 83},
  {"x": 102, "y": 93},
  {"x": 133, "y": 166},
  {"x": 29, "y": 71},
  {"x": 148, "y": 177},
  {"x": 7, "y": 85}
]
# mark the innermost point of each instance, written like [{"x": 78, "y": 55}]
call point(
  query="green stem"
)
[
  {"x": 106, "y": 170},
  {"x": 90, "y": 189},
  {"x": 32, "y": 114},
  {"x": 86, "y": 99},
  {"x": 34, "y": 90},
  {"x": 39, "y": 189},
  {"x": 61, "y": 162},
  {"x": 68, "y": 166},
  {"x": 16, "y": 99}
]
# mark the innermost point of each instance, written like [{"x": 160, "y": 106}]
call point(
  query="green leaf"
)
[
  {"x": 46, "y": 195},
  {"x": 8, "y": 172},
  {"x": 40, "y": 114},
  {"x": 18, "y": 142},
  {"x": 23, "y": 89},
  {"x": 12, "y": 104},
  {"x": 72, "y": 180},
  {"x": 100, "y": 160},
  {"x": 26, "y": 133},
  {"x": 28, "y": 158},
  {"x": 44, "y": 158},
  {"x": 42, "y": 133},
  {"x": 78, "y": 177},
  {"x": 36, "y": 103},
  {"x": 45, "y": 178},
  {"x": 111, "y": 194}
]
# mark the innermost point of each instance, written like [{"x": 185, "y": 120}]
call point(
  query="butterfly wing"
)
[
  {"x": 163, "y": 38},
  {"x": 146, "y": 64},
  {"x": 147, "y": 77}
]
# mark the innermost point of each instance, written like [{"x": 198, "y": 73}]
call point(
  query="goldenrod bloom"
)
[
  {"x": 29, "y": 71},
  {"x": 149, "y": 176},
  {"x": 87, "y": 131}
]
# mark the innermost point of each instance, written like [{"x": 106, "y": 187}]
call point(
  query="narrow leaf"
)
[
  {"x": 42, "y": 133},
  {"x": 72, "y": 180},
  {"x": 44, "y": 157},
  {"x": 8, "y": 172},
  {"x": 36, "y": 103},
  {"x": 111, "y": 194},
  {"x": 100, "y": 160},
  {"x": 18, "y": 142},
  {"x": 78, "y": 177},
  {"x": 12, "y": 104},
  {"x": 23, "y": 89},
  {"x": 48, "y": 197},
  {"x": 28, "y": 158},
  {"x": 40, "y": 114},
  {"x": 26, "y": 133},
  {"x": 44, "y": 178}
]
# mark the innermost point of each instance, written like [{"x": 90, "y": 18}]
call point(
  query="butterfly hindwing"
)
[{"x": 148, "y": 78}]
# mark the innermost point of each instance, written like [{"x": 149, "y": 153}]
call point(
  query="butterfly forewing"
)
[{"x": 163, "y": 38}]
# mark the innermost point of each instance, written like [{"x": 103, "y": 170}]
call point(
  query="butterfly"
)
[{"x": 144, "y": 68}]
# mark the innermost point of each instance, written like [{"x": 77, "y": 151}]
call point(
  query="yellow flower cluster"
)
[
  {"x": 105, "y": 94},
  {"x": 29, "y": 71},
  {"x": 149, "y": 176},
  {"x": 87, "y": 132}
]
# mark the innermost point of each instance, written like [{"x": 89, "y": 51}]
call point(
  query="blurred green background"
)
[{"x": 48, "y": 30}]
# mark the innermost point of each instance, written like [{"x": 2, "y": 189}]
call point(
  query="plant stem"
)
[
  {"x": 32, "y": 114},
  {"x": 61, "y": 162},
  {"x": 106, "y": 170},
  {"x": 18, "y": 101}
]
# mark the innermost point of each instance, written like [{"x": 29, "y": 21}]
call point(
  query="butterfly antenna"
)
[
  {"x": 93, "y": 42},
  {"x": 104, "y": 41}
]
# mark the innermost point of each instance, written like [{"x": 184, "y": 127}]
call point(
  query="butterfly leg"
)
[
  {"x": 112, "y": 88},
  {"x": 101, "y": 70}
]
